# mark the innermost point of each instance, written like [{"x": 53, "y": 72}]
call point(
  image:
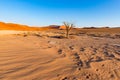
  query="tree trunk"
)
[{"x": 67, "y": 34}]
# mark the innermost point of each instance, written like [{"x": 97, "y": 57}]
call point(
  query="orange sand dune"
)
[{"x": 11, "y": 26}]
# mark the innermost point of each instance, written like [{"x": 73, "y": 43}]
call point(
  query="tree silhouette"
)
[{"x": 68, "y": 27}]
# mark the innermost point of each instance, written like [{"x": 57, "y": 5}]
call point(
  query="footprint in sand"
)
[
  {"x": 60, "y": 51},
  {"x": 82, "y": 49}
]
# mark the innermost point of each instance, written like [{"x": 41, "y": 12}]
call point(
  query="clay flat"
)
[{"x": 44, "y": 55}]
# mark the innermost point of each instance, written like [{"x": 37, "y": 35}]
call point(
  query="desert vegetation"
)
[{"x": 68, "y": 27}]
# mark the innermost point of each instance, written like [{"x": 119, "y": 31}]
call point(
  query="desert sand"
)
[{"x": 46, "y": 55}]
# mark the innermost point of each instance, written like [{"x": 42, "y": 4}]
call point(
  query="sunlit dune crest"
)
[{"x": 12, "y": 26}]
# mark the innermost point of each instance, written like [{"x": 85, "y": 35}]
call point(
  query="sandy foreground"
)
[{"x": 46, "y": 56}]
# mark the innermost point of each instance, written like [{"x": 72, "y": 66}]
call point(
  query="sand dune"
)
[
  {"x": 20, "y": 27},
  {"x": 43, "y": 55}
]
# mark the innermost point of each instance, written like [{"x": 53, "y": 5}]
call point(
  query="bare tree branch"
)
[{"x": 68, "y": 27}]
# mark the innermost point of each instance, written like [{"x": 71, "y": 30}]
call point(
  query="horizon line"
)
[{"x": 55, "y": 24}]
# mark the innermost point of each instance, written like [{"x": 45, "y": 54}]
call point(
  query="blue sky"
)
[{"x": 46, "y": 12}]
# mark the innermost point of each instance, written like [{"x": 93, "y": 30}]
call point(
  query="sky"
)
[{"x": 82, "y": 13}]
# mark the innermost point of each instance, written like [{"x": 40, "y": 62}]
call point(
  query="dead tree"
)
[{"x": 68, "y": 27}]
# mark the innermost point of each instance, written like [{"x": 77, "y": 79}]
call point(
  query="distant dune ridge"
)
[{"x": 12, "y": 26}]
